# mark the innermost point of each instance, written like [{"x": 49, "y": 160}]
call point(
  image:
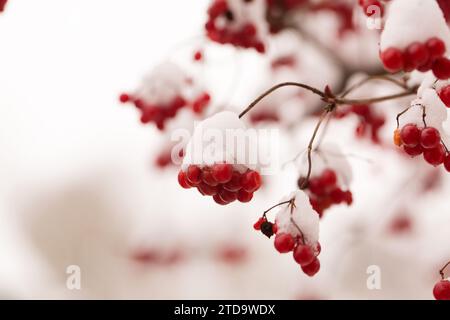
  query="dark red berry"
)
[
  {"x": 410, "y": 135},
  {"x": 328, "y": 178},
  {"x": 227, "y": 196},
  {"x": 244, "y": 196},
  {"x": 312, "y": 268},
  {"x": 441, "y": 290},
  {"x": 413, "y": 151},
  {"x": 447, "y": 162},
  {"x": 392, "y": 59},
  {"x": 182, "y": 180},
  {"x": 304, "y": 254},
  {"x": 257, "y": 225},
  {"x": 219, "y": 200},
  {"x": 284, "y": 242},
  {"x": 251, "y": 181},
  {"x": 222, "y": 172},
  {"x": 193, "y": 174},
  {"x": 436, "y": 47},
  {"x": 430, "y": 138},
  {"x": 435, "y": 156},
  {"x": 444, "y": 94},
  {"x": 417, "y": 54},
  {"x": 441, "y": 68}
]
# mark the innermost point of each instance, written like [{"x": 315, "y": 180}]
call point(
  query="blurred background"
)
[{"x": 78, "y": 183}]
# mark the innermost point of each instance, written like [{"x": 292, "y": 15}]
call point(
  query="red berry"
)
[
  {"x": 234, "y": 184},
  {"x": 207, "y": 190},
  {"x": 124, "y": 98},
  {"x": 257, "y": 225},
  {"x": 444, "y": 94},
  {"x": 436, "y": 47},
  {"x": 447, "y": 162},
  {"x": 198, "y": 55},
  {"x": 317, "y": 248},
  {"x": 413, "y": 151},
  {"x": 208, "y": 178},
  {"x": 441, "y": 290},
  {"x": 328, "y": 178},
  {"x": 193, "y": 175},
  {"x": 284, "y": 242},
  {"x": 222, "y": 172},
  {"x": 312, "y": 268},
  {"x": 227, "y": 196},
  {"x": 219, "y": 200},
  {"x": 410, "y": 135},
  {"x": 417, "y": 54},
  {"x": 441, "y": 68},
  {"x": 434, "y": 156},
  {"x": 316, "y": 187},
  {"x": 244, "y": 196},
  {"x": 430, "y": 138},
  {"x": 251, "y": 181},
  {"x": 182, "y": 180},
  {"x": 392, "y": 59},
  {"x": 304, "y": 254}
]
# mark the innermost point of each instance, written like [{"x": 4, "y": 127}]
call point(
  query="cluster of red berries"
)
[
  {"x": 444, "y": 94},
  {"x": 369, "y": 122},
  {"x": 427, "y": 141},
  {"x": 245, "y": 37},
  {"x": 367, "y": 4},
  {"x": 222, "y": 182},
  {"x": 160, "y": 113},
  {"x": 441, "y": 290},
  {"x": 421, "y": 56},
  {"x": 305, "y": 255},
  {"x": 2, "y": 5},
  {"x": 324, "y": 192}
]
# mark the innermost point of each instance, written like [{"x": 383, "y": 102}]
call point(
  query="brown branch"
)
[{"x": 373, "y": 78}]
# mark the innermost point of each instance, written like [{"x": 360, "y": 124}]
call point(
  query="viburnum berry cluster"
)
[
  {"x": 413, "y": 47},
  {"x": 233, "y": 22},
  {"x": 296, "y": 230},
  {"x": 164, "y": 93},
  {"x": 421, "y": 47}
]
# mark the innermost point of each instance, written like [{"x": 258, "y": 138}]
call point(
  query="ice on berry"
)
[
  {"x": 409, "y": 21},
  {"x": 300, "y": 217}
]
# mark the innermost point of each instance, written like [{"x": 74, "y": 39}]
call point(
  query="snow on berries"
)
[
  {"x": 218, "y": 166},
  {"x": 441, "y": 290},
  {"x": 297, "y": 231},
  {"x": 421, "y": 131},
  {"x": 164, "y": 92},
  {"x": 237, "y": 22},
  {"x": 329, "y": 181},
  {"x": 416, "y": 37}
]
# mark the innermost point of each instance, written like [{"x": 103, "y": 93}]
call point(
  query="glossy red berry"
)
[
  {"x": 413, "y": 151},
  {"x": 436, "y": 47},
  {"x": 430, "y": 138},
  {"x": 244, "y": 196},
  {"x": 444, "y": 94},
  {"x": 441, "y": 290},
  {"x": 447, "y": 162},
  {"x": 193, "y": 175},
  {"x": 207, "y": 190},
  {"x": 441, "y": 68},
  {"x": 251, "y": 181},
  {"x": 435, "y": 156},
  {"x": 417, "y": 54},
  {"x": 257, "y": 225},
  {"x": 304, "y": 254},
  {"x": 182, "y": 180},
  {"x": 410, "y": 135},
  {"x": 219, "y": 200},
  {"x": 284, "y": 242},
  {"x": 392, "y": 59},
  {"x": 222, "y": 172},
  {"x": 227, "y": 196},
  {"x": 328, "y": 178},
  {"x": 312, "y": 268}
]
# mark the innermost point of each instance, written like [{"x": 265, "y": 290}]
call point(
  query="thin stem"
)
[
  {"x": 278, "y": 86},
  {"x": 275, "y": 206},
  {"x": 399, "y": 115},
  {"x": 441, "y": 272},
  {"x": 409, "y": 92},
  {"x": 310, "y": 146},
  {"x": 371, "y": 78}
]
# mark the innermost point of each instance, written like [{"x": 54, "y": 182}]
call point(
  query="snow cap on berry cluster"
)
[
  {"x": 409, "y": 21},
  {"x": 435, "y": 109},
  {"x": 222, "y": 138},
  {"x": 328, "y": 156},
  {"x": 303, "y": 218}
]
